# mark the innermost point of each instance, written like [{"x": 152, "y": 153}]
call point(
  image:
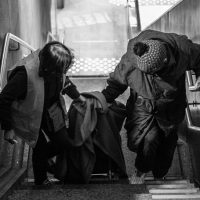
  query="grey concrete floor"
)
[{"x": 90, "y": 192}]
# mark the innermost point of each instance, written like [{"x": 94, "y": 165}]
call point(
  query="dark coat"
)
[
  {"x": 93, "y": 126},
  {"x": 164, "y": 94}
]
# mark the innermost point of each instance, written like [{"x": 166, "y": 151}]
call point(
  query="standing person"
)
[
  {"x": 30, "y": 103},
  {"x": 154, "y": 68}
]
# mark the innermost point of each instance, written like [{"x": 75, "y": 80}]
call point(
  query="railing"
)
[
  {"x": 188, "y": 113},
  {"x": 50, "y": 37},
  {"x": 13, "y": 163},
  {"x": 8, "y": 37},
  {"x": 133, "y": 18}
]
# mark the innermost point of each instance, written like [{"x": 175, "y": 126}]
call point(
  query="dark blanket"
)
[{"x": 93, "y": 131}]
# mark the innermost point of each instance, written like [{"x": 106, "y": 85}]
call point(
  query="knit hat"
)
[{"x": 151, "y": 55}]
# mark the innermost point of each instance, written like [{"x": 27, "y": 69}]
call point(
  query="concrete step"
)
[
  {"x": 171, "y": 186},
  {"x": 161, "y": 182},
  {"x": 167, "y": 178},
  {"x": 174, "y": 191},
  {"x": 176, "y": 196},
  {"x": 84, "y": 191}
]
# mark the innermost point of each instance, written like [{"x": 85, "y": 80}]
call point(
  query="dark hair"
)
[
  {"x": 140, "y": 48},
  {"x": 55, "y": 57}
]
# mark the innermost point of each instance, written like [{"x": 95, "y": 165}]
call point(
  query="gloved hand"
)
[
  {"x": 109, "y": 104},
  {"x": 81, "y": 99}
]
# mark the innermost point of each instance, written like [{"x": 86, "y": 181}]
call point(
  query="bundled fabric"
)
[{"x": 93, "y": 128}]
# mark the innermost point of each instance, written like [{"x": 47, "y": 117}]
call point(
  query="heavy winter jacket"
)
[{"x": 162, "y": 97}]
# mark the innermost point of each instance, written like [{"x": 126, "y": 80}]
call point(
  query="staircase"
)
[{"x": 172, "y": 189}]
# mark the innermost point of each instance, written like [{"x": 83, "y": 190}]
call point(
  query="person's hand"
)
[
  {"x": 9, "y": 136},
  {"x": 196, "y": 87},
  {"x": 109, "y": 104},
  {"x": 82, "y": 99}
]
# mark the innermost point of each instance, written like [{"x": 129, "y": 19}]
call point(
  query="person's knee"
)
[{"x": 135, "y": 139}]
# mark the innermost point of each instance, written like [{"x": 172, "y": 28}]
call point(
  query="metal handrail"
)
[
  {"x": 138, "y": 15},
  {"x": 189, "y": 120},
  {"x": 130, "y": 6},
  {"x": 190, "y": 80},
  {"x": 50, "y": 37},
  {"x": 188, "y": 113},
  {"x": 8, "y": 37}
]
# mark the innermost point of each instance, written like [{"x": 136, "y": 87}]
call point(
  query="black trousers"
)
[
  {"x": 45, "y": 150},
  {"x": 156, "y": 151}
]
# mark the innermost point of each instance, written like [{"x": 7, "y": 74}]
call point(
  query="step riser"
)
[
  {"x": 173, "y": 191},
  {"x": 172, "y": 197},
  {"x": 166, "y": 182},
  {"x": 184, "y": 186}
]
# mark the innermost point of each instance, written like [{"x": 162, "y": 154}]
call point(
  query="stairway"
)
[
  {"x": 152, "y": 189},
  {"x": 172, "y": 189}
]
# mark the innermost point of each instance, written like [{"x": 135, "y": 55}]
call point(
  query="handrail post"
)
[
  {"x": 138, "y": 15},
  {"x": 18, "y": 153},
  {"x": 129, "y": 31},
  {"x": 50, "y": 37},
  {"x": 189, "y": 78}
]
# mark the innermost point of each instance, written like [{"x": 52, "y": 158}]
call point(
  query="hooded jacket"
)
[{"x": 162, "y": 96}]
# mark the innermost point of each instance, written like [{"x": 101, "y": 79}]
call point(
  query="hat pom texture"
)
[{"x": 151, "y": 55}]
